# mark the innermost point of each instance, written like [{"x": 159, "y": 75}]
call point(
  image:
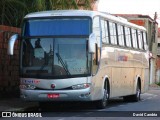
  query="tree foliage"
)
[{"x": 13, "y": 11}]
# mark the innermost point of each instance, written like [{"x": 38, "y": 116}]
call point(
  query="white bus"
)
[{"x": 76, "y": 55}]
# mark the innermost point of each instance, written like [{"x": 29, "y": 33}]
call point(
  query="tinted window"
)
[
  {"x": 96, "y": 55},
  {"x": 120, "y": 35},
  {"x": 145, "y": 40},
  {"x": 113, "y": 36},
  {"x": 55, "y": 57},
  {"x": 51, "y": 27},
  {"x": 134, "y": 38},
  {"x": 128, "y": 36},
  {"x": 140, "y": 42},
  {"x": 104, "y": 27},
  {"x": 96, "y": 29}
]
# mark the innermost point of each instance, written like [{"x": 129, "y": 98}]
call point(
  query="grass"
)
[{"x": 158, "y": 83}]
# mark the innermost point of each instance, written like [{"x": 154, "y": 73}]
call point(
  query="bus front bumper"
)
[{"x": 56, "y": 95}]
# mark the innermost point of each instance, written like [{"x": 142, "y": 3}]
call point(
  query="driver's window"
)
[{"x": 96, "y": 55}]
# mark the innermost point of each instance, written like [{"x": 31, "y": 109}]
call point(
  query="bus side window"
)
[
  {"x": 134, "y": 38},
  {"x": 145, "y": 40},
  {"x": 128, "y": 37},
  {"x": 96, "y": 58},
  {"x": 120, "y": 35},
  {"x": 96, "y": 55},
  {"x": 113, "y": 36},
  {"x": 96, "y": 29},
  {"x": 140, "y": 42},
  {"x": 104, "y": 26}
]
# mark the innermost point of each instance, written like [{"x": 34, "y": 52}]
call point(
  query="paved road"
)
[{"x": 116, "y": 109}]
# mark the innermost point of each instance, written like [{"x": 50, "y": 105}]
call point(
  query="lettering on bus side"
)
[{"x": 122, "y": 58}]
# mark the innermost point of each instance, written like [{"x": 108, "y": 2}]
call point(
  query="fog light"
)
[{"x": 85, "y": 95}]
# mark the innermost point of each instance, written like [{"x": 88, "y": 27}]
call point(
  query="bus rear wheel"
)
[{"x": 136, "y": 97}]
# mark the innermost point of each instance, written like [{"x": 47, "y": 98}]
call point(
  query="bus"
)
[{"x": 81, "y": 55}]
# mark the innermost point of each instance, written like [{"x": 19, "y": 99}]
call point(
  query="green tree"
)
[
  {"x": 11, "y": 11},
  {"x": 41, "y": 5}
]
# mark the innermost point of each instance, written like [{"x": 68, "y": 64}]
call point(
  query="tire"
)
[
  {"x": 136, "y": 97},
  {"x": 101, "y": 104}
]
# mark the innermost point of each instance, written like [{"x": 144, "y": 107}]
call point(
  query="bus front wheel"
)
[{"x": 101, "y": 104}]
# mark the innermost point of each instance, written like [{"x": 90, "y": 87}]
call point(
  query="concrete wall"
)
[{"x": 9, "y": 65}]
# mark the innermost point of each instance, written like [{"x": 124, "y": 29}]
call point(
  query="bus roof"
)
[{"x": 82, "y": 13}]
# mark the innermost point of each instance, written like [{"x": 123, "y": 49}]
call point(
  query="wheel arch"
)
[
  {"x": 106, "y": 80},
  {"x": 138, "y": 82}
]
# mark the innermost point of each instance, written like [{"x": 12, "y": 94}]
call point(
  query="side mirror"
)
[
  {"x": 91, "y": 43},
  {"x": 11, "y": 43}
]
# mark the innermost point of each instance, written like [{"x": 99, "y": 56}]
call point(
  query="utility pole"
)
[
  {"x": 153, "y": 31},
  {"x": 155, "y": 16},
  {"x": 152, "y": 49}
]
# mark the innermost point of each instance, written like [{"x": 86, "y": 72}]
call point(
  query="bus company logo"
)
[
  {"x": 53, "y": 86},
  {"x": 122, "y": 58},
  {"x": 31, "y": 81}
]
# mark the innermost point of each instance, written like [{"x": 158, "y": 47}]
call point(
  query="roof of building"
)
[{"x": 135, "y": 16}]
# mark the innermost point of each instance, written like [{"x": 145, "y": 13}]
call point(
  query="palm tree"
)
[
  {"x": 11, "y": 11},
  {"x": 65, "y": 4},
  {"x": 84, "y": 4},
  {"x": 41, "y": 5}
]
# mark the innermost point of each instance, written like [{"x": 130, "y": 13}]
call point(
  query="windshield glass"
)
[
  {"x": 57, "y": 27},
  {"x": 55, "y": 57}
]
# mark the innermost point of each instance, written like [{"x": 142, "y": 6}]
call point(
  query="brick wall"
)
[
  {"x": 9, "y": 65},
  {"x": 158, "y": 63}
]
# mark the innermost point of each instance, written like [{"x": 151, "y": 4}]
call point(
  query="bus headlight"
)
[
  {"x": 29, "y": 87},
  {"x": 81, "y": 86}
]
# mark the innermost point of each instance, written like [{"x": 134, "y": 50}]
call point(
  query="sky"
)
[{"x": 144, "y": 7}]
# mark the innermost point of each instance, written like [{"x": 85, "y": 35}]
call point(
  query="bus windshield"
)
[
  {"x": 56, "y": 47},
  {"x": 55, "y": 57}
]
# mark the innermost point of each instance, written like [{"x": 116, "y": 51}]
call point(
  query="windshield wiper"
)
[{"x": 63, "y": 64}]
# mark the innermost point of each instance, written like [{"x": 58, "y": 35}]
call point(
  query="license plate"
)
[{"x": 52, "y": 95}]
